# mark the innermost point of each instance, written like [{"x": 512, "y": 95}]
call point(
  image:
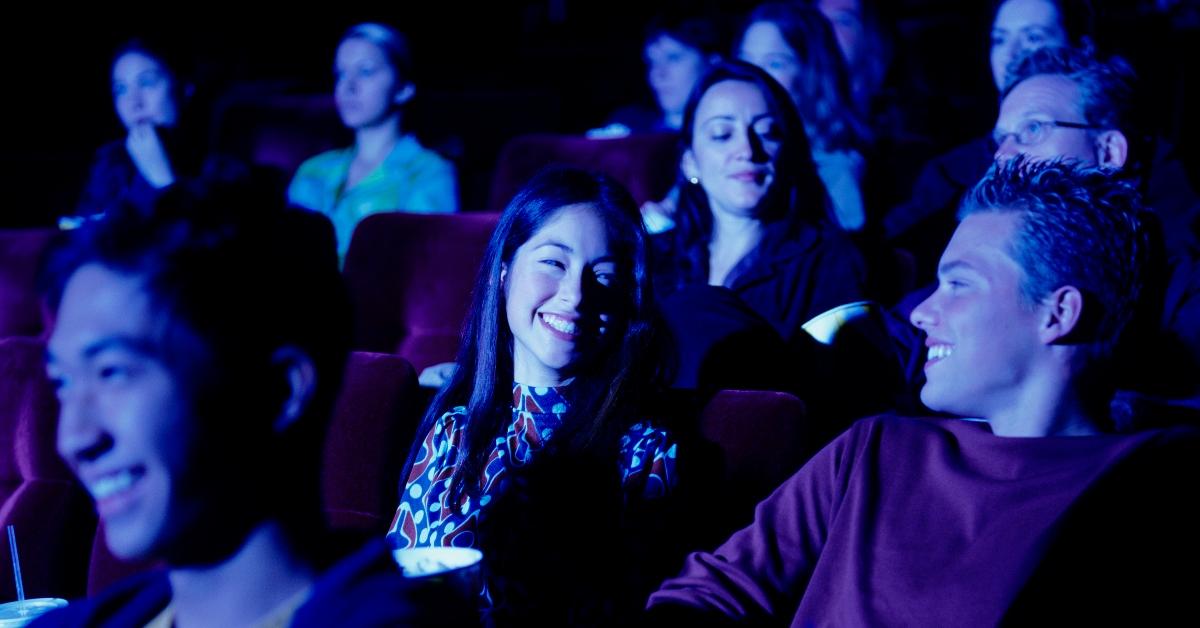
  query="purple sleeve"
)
[{"x": 765, "y": 568}]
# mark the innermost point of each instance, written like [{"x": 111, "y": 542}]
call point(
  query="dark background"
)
[{"x": 488, "y": 71}]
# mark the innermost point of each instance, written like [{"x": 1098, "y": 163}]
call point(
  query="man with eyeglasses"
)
[
  {"x": 1061, "y": 103},
  {"x": 1058, "y": 102},
  {"x": 1064, "y": 103}
]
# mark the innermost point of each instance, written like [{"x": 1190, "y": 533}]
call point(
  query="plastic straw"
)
[{"x": 12, "y": 544}]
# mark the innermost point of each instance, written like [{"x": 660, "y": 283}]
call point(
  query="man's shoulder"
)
[{"x": 917, "y": 425}]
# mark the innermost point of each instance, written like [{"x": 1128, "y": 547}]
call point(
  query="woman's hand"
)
[{"x": 149, "y": 155}]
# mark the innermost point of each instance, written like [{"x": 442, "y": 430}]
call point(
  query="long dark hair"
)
[
  {"x": 186, "y": 141},
  {"x": 797, "y": 199},
  {"x": 173, "y": 63},
  {"x": 825, "y": 102},
  {"x": 602, "y": 393}
]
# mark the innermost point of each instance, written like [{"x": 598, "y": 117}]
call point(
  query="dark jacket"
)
[{"x": 364, "y": 589}]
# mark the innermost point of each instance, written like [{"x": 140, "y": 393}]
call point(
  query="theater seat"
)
[
  {"x": 373, "y": 428},
  {"x": 21, "y": 251},
  {"x": 263, "y": 127},
  {"x": 410, "y": 278},
  {"x": 735, "y": 448},
  {"x": 51, "y": 513},
  {"x": 645, "y": 164},
  {"x": 761, "y": 436}
]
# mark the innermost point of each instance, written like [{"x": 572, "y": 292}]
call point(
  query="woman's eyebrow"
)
[{"x": 555, "y": 244}]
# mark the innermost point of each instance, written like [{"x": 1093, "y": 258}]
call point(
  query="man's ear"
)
[
  {"x": 405, "y": 94},
  {"x": 1063, "y": 310},
  {"x": 1112, "y": 149},
  {"x": 301, "y": 376}
]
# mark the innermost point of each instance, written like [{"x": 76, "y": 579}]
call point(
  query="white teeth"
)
[
  {"x": 560, "y": 324},
  {"x": 111, "y": 484},
  {"x": 937, "y": 352}
]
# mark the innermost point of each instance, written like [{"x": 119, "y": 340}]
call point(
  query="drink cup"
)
[{"x": 17, "y": 614}]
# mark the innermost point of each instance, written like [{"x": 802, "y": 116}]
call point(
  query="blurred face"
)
[
  {"x": 1021, "y": 26},
  {"x": 981, "y": 339},
  {"x": 846, "y": 17},
  {"x": 673, "y": 68},
  {"x": 127, "y": 423},
  {"x": 763, "y": 45},
  {"x": 367, "y": 88},
  {"x": 142, "y": 91},
  {"x": 1028, "y": 113},
  {"x": 559, "y": 295},
  {"x": 735, "y": 141}
]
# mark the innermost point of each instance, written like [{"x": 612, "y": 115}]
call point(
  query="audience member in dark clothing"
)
[
  {"x": 194, "y": 403},
  {"x": 753, "y": 215},
  {"x": 754, "y": 227},
  {"x": 678, "y": 50},
  {"x": 864, "y": 44},
  {"x": 151, "y": 94},
  {"x": 796, "y": 45},
  {"x": 947, "y": 522},
  {"x": 891, "y": 94},
  {"x": 924, "y": 223}
]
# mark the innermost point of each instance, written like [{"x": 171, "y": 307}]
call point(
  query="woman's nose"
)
[{"x": 570, "y": 291}]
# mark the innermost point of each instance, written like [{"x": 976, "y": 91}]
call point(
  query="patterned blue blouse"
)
[{"x": 426, "y": 518}]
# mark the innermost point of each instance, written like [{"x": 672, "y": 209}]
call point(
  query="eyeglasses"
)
[{"x": 1035, "y": 131}]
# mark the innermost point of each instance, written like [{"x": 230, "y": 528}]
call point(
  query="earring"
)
[{"x": 694, "y": 180}]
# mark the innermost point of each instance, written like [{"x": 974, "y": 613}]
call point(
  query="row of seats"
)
[
  {"x": 280, "y": 131},
  {"x": 409, "y": 275}
]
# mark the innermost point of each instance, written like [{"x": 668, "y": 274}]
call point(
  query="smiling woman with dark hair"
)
[{"x": 536, "y": 439}]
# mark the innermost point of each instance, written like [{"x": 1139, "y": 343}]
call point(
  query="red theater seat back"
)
[
  {"x": 52, "y": 515},
  {"x": 21, "y": 313},
  {"x": 369, "y": 438},
  {"x": 410, "y": 278},
  {"x": 645, "y": 164},
  {"x": 763, "y": 438}
]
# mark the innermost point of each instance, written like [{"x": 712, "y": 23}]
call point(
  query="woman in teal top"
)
[{"x": 386, "y": 169}]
